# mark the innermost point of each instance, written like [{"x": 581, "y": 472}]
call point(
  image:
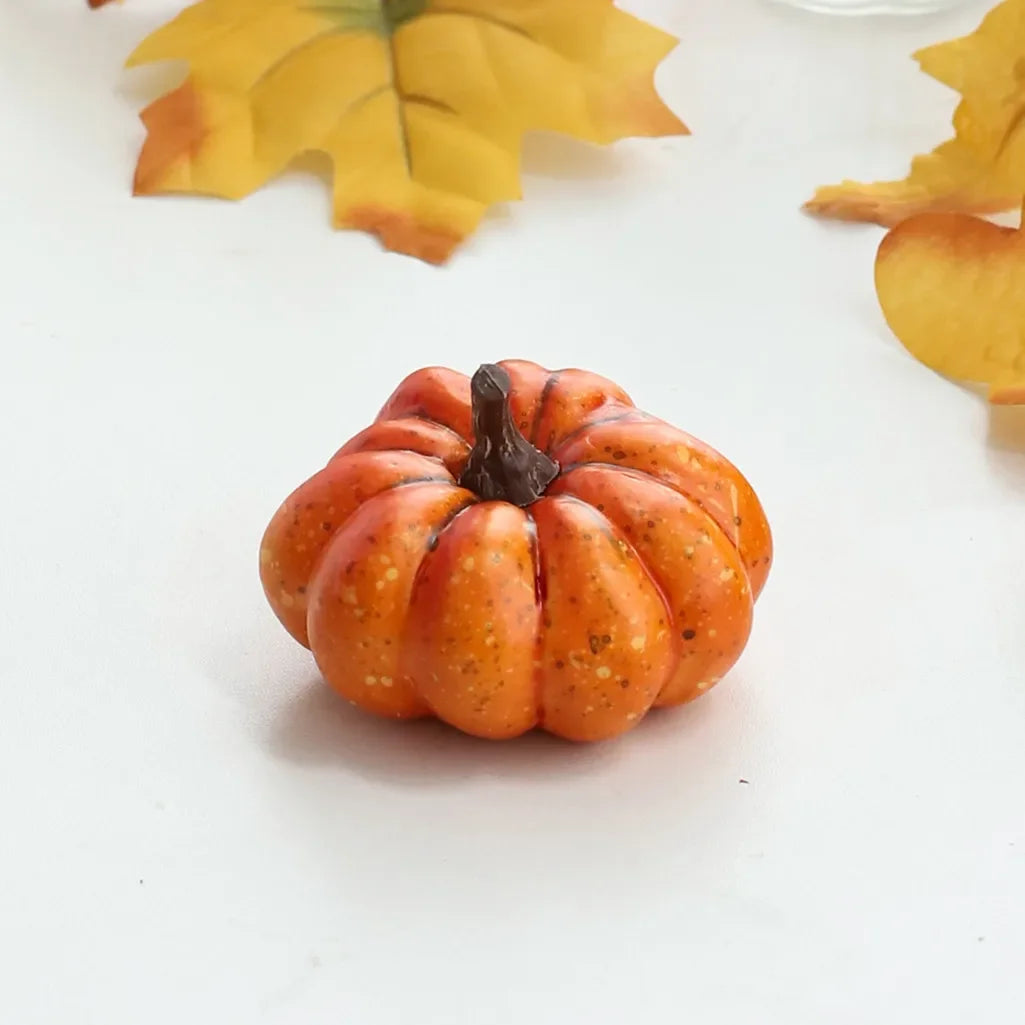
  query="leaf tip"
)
[
  {"x": 142, "y": 185},
  {"x": 403, "y": 233},
  {"x": 674, "y": 126},
  {"x": 851, "y": 201},
  {"x": 175, "y": 134},
  {"x": 1007, "y": 394}
]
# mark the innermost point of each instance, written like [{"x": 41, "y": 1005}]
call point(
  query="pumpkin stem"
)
[{"x": 503, "y": 466}]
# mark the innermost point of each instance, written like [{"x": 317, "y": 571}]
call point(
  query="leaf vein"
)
[{"x": 488, "y": 19}]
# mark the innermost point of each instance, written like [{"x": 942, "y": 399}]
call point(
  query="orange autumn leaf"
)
[
  {"x": 982, "y": 169},
  {"x": 421, "y": 105},
  {"x": 952, "y": 288}
]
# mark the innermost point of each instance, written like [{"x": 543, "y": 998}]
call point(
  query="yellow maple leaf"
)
[
  {"x": 982, "y": 169},
  {"x": 420, "y": 104},
  {"x": 952, "y": 288}
]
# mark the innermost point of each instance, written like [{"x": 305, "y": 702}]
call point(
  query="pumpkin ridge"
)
[
  {"x": 621, "y": 546},
  {"x": 614, "y": 534},
  {"x": 546, "y": 393},
  {"x": 632, "y": 471},
  {"x": 428, "y": 420},
  {"x": 451, "y": 479},
  {"x": 618, "y": 538},
  {"x": 340, "y": 527},
  {"x": 410, "y": 452},
  {"x": 428, "y": 391},
  {"x": 357, "y": 547},
  {"x": 539, "y": 600},
  {"x": 421, "y": 414},
  {"x": 423, "y": 418},
  {"x": 409, "y": 481},
  {"x": 286, "y": 574},
  {"x": 433, "y": 540},
  {"x": 629, "y": 415}
]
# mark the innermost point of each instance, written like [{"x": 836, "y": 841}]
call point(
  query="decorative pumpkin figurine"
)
[{"x": 524, "y": 549}]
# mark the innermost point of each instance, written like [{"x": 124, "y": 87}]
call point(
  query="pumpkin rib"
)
[
  {"x": 698, "y": 602},
  {"x": 629, "y": 415},
  {"x": 285, "y": 567},
  {"x": 611, "y": 533},
  {"x": 421, "y": 414},
  {"x": 413, "y": 481},
  {"x": 691, "y": 467},
  {"x": 432, "y": 541},
  {"x": 473, "y": 621},
  {"x": 546, "y": 394},
  {"x": 388, "y": 435},
  {"x": 574, "y": 398},
  {"x": 340, "y": 458},
  {"x": 528, "y": 381},
  {"x": 430, "y": 546},
  {"x": 632, "y": 471},
  {"x": 404, "y": 451},
  {"x": 431, "y": 386},
  {"x": 337, "y": 532},
  {"x": 617, "y": 536},
  {"x": 629, "y": 471},
  {"x": 539, "y": 589},
  {"x": 385, "y": 532}
]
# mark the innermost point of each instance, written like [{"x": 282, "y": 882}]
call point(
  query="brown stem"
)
[{"x": 503, "y": 466}]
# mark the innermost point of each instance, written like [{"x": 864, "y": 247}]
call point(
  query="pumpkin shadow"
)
[
  {"x": 300, "y": 721},
  {"x": 317, "y": 728},
  {"x": 1006, "y": 445},
  {"x": 549, "y": 155},
  {"x": 1007, "y": 429}
]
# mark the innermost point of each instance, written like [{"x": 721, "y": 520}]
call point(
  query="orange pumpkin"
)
[{"x": 526, "y": 549}]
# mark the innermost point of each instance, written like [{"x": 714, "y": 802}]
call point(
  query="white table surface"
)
[{"x": 193, "y": 831}]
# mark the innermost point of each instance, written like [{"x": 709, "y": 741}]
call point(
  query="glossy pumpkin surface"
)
[{"x": 529, "y": 550}]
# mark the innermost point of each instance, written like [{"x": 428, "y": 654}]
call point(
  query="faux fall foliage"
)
[
  {"x": 982, "y": 169},
  {"x": 421, "y": 105},
  {"x": 951, "y": 284},
  {"x": 952, "y": 288}
]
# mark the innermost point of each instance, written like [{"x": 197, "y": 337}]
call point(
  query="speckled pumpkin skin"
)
[{"x": 628, "y": 585}]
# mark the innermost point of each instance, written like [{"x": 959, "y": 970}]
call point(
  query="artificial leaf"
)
[
  {"x": 982, "y": 169},
  {"x": 420, "y": 104},
  {"x": 952, "y": 288}
]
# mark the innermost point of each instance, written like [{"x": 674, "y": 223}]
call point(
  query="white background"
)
[{"x": 192, "y": 830}]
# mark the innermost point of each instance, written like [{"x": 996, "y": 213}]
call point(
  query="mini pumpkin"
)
[{"x": 524, "y": 549}]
